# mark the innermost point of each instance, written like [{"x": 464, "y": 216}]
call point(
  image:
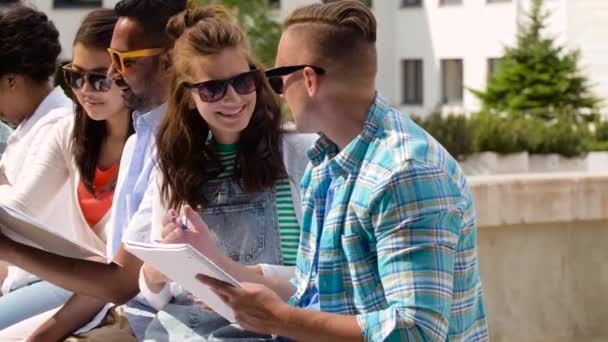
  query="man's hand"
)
[{"x": 256, "y": 307}]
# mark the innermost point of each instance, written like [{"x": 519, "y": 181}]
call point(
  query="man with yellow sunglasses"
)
[
  {"x": 118, "y": 58},
  {"x": 140, "y": 68}
]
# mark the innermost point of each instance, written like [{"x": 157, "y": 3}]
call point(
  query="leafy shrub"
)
[
  {"x": 563, "y": 136},
  {"x": 510, "y": 134},
  {"x": 453, "y": 132},
  {"x": 491, "y": 132}
]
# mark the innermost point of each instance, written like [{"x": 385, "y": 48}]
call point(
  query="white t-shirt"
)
[
  {"x": 21, "y": 153},
  {"x": 24, "y": 143}
]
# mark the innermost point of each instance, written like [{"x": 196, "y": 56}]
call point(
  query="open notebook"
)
[
  {"x": 27, "y": 230},
  {"x": 181, "y": 263}
]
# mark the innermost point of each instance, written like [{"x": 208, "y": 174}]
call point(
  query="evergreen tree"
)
[{"x": 537, "y": 77}]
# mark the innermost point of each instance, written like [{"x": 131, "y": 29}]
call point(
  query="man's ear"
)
[
  {"x": 11, "y": 81},
  {"x": 311, "y": 80}
]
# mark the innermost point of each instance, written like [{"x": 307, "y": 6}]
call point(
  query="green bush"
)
[
  {"x": 453, "y": 132},
  {"x": 489, "y": 132},
  {"x": 601, "y": 130},
  {"x": 563, "y": 136}
]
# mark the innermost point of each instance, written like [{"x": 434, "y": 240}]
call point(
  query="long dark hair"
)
[
  {"x": 186, "y": 160},
  {"x": 95, "y": 32}
]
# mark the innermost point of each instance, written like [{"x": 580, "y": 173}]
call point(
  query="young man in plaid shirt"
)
[{"x": 388, "y": 249}]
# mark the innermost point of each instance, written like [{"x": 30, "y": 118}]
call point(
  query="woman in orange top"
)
[{"x": 70, "y": 188}]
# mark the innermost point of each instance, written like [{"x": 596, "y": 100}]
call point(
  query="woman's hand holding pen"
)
[
  {"x": 175, "y": 230},
  {"x": 193, "y": 232}
]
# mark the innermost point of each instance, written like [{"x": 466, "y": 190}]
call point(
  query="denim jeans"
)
[
  {"x": 245, "y": 227},
  {"x": 29, "y": 301}
]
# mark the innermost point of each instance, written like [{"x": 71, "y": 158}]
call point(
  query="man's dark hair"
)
[
  {"x": 29, "y": 43},
  {"x": 152, "y": 14}
]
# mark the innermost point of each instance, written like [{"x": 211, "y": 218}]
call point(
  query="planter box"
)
[
  {"x": 597, "y": 162},
  {"x": 544, "y": 163},
  {"x": 491, "y": 163},
  {"x": 488, "y": 163}
]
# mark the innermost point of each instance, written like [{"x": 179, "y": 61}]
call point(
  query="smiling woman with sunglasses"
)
[
  {"x": 222, "y": 152},
  {"x": 79, "y": 161}
]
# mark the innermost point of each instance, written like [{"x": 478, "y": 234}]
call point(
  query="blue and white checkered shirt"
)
[{"x": 399, "y": 244}]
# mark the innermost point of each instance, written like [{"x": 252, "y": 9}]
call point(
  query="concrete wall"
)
[
  {"x": 543, "y": 255},
  {"x": 546, "y": 282}
]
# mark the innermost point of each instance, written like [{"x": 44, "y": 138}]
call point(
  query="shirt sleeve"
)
[
  {"x": 145, "y": 226},
  {"x": 44, "y": 172},
  {"x": 416, "y": 216},
  {"x": 278, "y": 271},
  {"x": 156, "y": 300}
]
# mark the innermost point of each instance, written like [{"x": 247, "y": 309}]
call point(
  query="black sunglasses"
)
[
  {"x": 275, "y": 76},
  {"x": 215, "y": 90},
  {"x": 76, "y": 79}
]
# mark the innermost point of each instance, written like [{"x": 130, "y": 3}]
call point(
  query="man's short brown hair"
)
[{"x": 340, "y": 32}]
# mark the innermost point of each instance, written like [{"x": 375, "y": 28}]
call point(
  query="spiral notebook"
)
[{"x": 182, "y": 263}]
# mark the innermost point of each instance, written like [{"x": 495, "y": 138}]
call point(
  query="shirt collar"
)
[
  {"x": 350, "y": 158},
  {"x": 149, "y": 119}
]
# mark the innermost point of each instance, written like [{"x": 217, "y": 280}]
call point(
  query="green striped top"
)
[{"x": 289, "y": 230}]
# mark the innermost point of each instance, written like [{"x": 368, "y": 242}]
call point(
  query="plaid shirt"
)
[
  {"x": 5, "y": 132},
  {"x": 398, "y": 247}
]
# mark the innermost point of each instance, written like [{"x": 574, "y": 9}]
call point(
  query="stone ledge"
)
[{"x": 538, "y": 198}]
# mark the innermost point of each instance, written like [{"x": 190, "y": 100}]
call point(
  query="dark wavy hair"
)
[
  {"x": 88, "y": 135},
  {"x": 153, "y": 16},
  {"x": 186, "y": 160},
  {"x": 29, "y": 43}
]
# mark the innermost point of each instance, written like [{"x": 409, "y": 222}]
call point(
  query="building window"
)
[
  {"x": 6, "y": 2},
  {"x": 76, "y": 3},
  {"x": 275, "y": 4},
  {"x": 450, "y": 2},
  {"x": 492, "y": 66},
  {"x": 451, "y": 80},
  {"x": 493, "y": 1},
  {"x": 366, "y": 2},
  {"x": 412, "y": 81},
  {"x": 411, "y": 3}
]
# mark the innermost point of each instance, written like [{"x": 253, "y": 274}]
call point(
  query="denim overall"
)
[{"x": 246, "y": 228}]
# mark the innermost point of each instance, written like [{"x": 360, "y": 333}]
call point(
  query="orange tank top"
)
[{"x": 94, "y": 207}]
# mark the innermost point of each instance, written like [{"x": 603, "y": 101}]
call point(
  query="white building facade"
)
[{"x": 431, "y": 51}]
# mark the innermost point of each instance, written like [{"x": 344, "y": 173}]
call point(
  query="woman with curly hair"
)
[{"x": 29, "y": 46}]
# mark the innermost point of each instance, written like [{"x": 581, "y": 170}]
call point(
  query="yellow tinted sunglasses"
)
[{"x": 118, "y": 57}]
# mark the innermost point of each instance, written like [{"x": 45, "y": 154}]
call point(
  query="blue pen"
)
[{"x": 183, "y": 225}]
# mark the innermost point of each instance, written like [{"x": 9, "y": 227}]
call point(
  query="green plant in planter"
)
[
  {"x": 452, "y": 132},
  {"x": 497, "y": 133},
  {"x": 601, "y": 130},
  {"x": 600, "y": 137},
  {"x": 563, "y": 135}
]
